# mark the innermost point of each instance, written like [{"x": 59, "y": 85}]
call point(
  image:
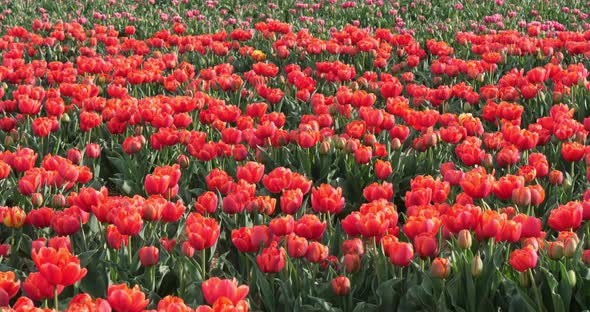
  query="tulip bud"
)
[
  {"x": 341, "y": 285},
  {"x": 555, "y": 250},
  {"x": 37, "y": 199},
  {"x": 567, "y": 182},
  {"x": 571, "y": 278},
  {"x": 570, "y": 247},
  {"x": 556, "y": 177},
  {"x": 476, "y": 266},
  {"x": 183, "y": 161},
  {"x": 8, "y": 141},
  {"x": 324, "y": 148},
  {"x": 488, "y": 161},
  {"x": 58, "y": 200},
  {"x": 521, "y": 196},
  {"x": 586, "y": 257},
  {"x": 396, "y": 144},
  {"x": 187, "y": 249},
  {"x": 464, "y": 239},
  {"x": 441, "y": 267},
  {"x": 66, "y": 118},
  {"x": 370, "y": 139}
]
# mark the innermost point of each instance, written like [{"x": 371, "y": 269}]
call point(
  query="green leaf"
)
[
  {"x": 558, "y": 305},
  {"x": 86, "y": 257},
  {"x": 387, "y": 295},
  {"x": 96, "y": 280}
]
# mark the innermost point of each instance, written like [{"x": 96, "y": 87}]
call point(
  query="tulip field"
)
[{"x": 297, "y": 155}]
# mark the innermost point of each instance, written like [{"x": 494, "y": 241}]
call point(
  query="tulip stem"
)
[
  {"x": 55, "y": 299},
  {"x": 376, "y": 260},
  {"x": 153, "y": 277},
  {"x": 129, "y": 254},
  {"x": 204, "y": 264},
  {"x": 536, "y": 289}
]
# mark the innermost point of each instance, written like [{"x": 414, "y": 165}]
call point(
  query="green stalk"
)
[
  {"x": 536, "y": 289},
  {"x": 204, "y": 265},
  {"x": 55, "y": 299}
]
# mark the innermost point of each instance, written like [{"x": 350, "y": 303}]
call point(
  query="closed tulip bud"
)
[
  {"x": 37, "y": 199},
  {"x": 567, "y": 182},
  {"x": 571, "y": 278},
  {"x": 476, "y": 266},
  {"x": 183, "y": 161},
  {"x": 8, "y": 141},
  {"x": 65, "y": 118},
  {"x": 586, "y": 257},
  {"x": 441, "y": 267},
  {"x": 341, "y": 285},
  {"x": 325, "y": 148},
  {"x": 488, "y": 161},
  {"x": 187, "y": 249},
  {"x": 555, "y": 250},
  {"x": 521, "y": 196},
  {"x": 58, "y": 200},
  {"x": 556, "y": 177},
  {"x": 464, "y": 239},
  {"x": 92, "y": 150},
  {"x": 396, "y": 144},
  {"x": 570, "y": 247}
]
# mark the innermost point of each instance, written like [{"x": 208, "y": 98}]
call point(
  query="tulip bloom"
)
[
  {"x": 341, "y": 285},
  {"x": 400, "y": 254},
  {"x": 271, "y": 259},
  {"x": 215, "y": 288},
  {"x": 38, "y": 288},
  {"x": 328, "y": 199},
  {"x": 441, "y": 267},
  {"x": 523, "y": 259},
  {"x": 58, "y": 267},
  {"x": 9, "y": 286},
  {"x": 125, "y": 299},
  {"x": 477, "y": 183},
  {"x": 201, "y": 232},
  {"x": 566, "y": 217},
  {"x": 149, "y": 256}
]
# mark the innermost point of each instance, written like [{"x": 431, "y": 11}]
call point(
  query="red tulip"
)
[
  {"x": 207, "y": 203},
  {"x": 125, "y": 299},
  {"x": 523, "y": 259},
  {"x": 215, "y": 288},
  {"x": 400, "y": 254},
  {"x": 201, "y": 232},
  {"x": 316, "y": 252},
  {"x": 327, "y": 199},
  {"x": 477, "y": 183},
  {"x": 149, "y": 256},
  {"x": 38, "y": 288},
  {"x": 426, "y": 245},
  {"x": 58, "y": 267},
  {"x": 441, "y": 268},
  {"x": 383, "y": 169},
  {"x": 281, "y": 226},
  {"x": 8, "y": 285},
  {"x": 566, "y": 217},
  {"x": 271, "y": 259},
  {"x": 291, "y": 201},
  {"x": 296, "y": 246},
  {"x": 341, "y": 285}
]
